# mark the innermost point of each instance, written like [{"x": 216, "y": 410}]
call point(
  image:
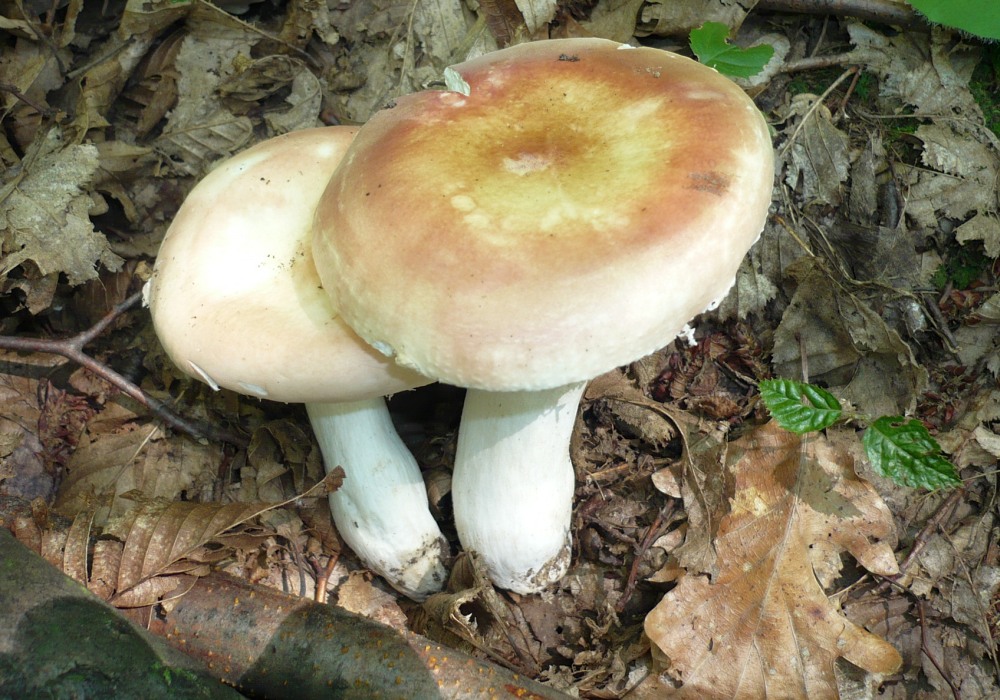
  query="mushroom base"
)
[
  {"x": 513, "y": 483},
  {"x": 381, "y": 510}
]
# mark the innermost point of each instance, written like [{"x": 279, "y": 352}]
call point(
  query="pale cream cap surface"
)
[
  {"x": 570, "y": 214},
  {"x": 234, "y": 296}
]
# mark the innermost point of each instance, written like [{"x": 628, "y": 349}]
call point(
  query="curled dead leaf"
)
[{"x": 763, "y": 625}]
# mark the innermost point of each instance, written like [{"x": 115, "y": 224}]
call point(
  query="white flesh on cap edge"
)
[
  {"x": 381, "y": 508},
  {"x": 512, "y": 487}
]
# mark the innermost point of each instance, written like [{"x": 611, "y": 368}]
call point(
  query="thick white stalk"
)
[
  {"x": 381, "y": 509},
  {"x": 512, "y": 488}
]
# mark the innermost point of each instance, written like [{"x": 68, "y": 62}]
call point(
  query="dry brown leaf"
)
[
  {"x": 981, "y": 227},
  {"x": 847, "y": 344},
  {"x": 929, "y": 71},
  {"x": 959, "y": 181},
  {"x": 157, "y": 534},
  {"x": 818, "y": 158},
  {"x": 24, "y": 467},
  {"x": 74, "y": 563},
  {"x": 44, "y": 217},
  {"x": 107, "y": 464},
  {"x": 536, "y": 13},
  {"x": 107, "y": 560},
  {"x": 679, "y": 17},
  {"x": 764, "y": 627},
  {"x": 153, "y": 590},
  {"x": 200, "y": 129},
  {"x": 504, "y": 20},
  {"x": 613, "y": 19},
  {"x": 357, "y": 594}
]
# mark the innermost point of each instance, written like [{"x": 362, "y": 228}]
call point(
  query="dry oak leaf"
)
[{"x": 764, "y": 626}]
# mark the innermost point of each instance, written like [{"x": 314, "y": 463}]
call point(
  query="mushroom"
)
[
  {"x": 569, "y": 208},
  {"x": 236, "y": 303}
]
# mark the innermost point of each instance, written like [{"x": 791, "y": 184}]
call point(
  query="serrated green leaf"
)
[
  {"x": 783, "y": 398},
  {"x": 905, "y": 452},
  {"x": 710, "y": 45},
  {"x": 973, "y": 16}
]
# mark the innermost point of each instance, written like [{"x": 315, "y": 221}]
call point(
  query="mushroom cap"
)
[
  {"x": 234, "y": 295},
  {"x": 570, "y": 214}
]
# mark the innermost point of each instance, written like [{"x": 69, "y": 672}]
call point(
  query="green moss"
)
[
  {"x": 815, "y": 82},
  {"x": 985, "y": 87},
  {"x": 866, "y": 87},
  {"x": 963, "y": 265}
]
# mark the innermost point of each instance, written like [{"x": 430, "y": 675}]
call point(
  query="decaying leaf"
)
[
  {"x": 613, "y": 19},
  {"x": 536, "y": 13},
  {"x": 847, "y": 344},
  {"x": 766, "y": 262},
  {"x": 107, "y": 464},
  {"x": 157, "y": 548},
  {"x": 763, "y": 625},
  {"x": 818, "y": 159},
  {"x": 960, "y": 179},
  {"x": 679, "y": 17},
  {"x": 201, "y": 130},
  {"x": 930, "y": 72},
  {"x": 982, "y": 227},
  {"x": 44, "y": 213},
  {"x": 469, "y": 612},
  {"x": 973, "y": 441},
  {"x": 156, "y": 535},
  {"x": 504, "y": 20}
]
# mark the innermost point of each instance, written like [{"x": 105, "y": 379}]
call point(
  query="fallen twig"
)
[
  {"x": 815, "y": 105},
  {"x": 72, "y": 349},
  {"x": 652, "y": 532},
  {"x": 273, "y": 645},
  {"x": 265, "y": 642},
  {"x": 926, "y": 650},
  {"x": 884, "y": 11},
  {"x": 943, "y": 513}
]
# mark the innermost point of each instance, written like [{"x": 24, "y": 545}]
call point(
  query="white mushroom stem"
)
[
  {"x": 381, "y": 509},
  {"x": 512, "y": 488}
]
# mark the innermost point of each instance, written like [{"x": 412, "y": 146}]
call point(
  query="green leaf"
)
[
  {"x": 783, "y": 398},
  {"x": 979, "y": 17},
  {"x": 905, "y": 452},
  {"x": 710, "y": 45}
]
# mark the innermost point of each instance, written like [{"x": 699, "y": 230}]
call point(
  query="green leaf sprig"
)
[
  {"x": 710, "y": 44},
  {"x": 898, "y": 448},
  {"x": 979, "y": 17}
]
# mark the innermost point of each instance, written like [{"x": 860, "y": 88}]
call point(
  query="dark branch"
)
[{"x": 72, "y": 349}]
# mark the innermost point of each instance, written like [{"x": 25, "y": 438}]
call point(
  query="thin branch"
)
[
  {"x": 926, "y": 649},
  {"x": 266, "y": 643},
  {"x": 18, "y": 95},
  {"x": 884, "y": 11},
  {"x": 818, "y": 62},
  {"x": 652, "y": 532},
  {"x": 943, "y": 513},
  {"x": 815, "y": 105},
  {"x": 72, "y": 349}
]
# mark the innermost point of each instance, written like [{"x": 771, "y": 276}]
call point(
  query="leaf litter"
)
[
  {"x": 881, "y": 182},
  {"x": 762, "y": 624}
]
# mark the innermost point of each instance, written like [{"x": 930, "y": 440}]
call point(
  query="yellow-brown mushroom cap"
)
[
  {"x": 234, "y": 296},
  {"x": 571, "y": 213}
]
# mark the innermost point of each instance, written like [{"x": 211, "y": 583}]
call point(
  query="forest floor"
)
[{"x": 876, "y": 278}]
